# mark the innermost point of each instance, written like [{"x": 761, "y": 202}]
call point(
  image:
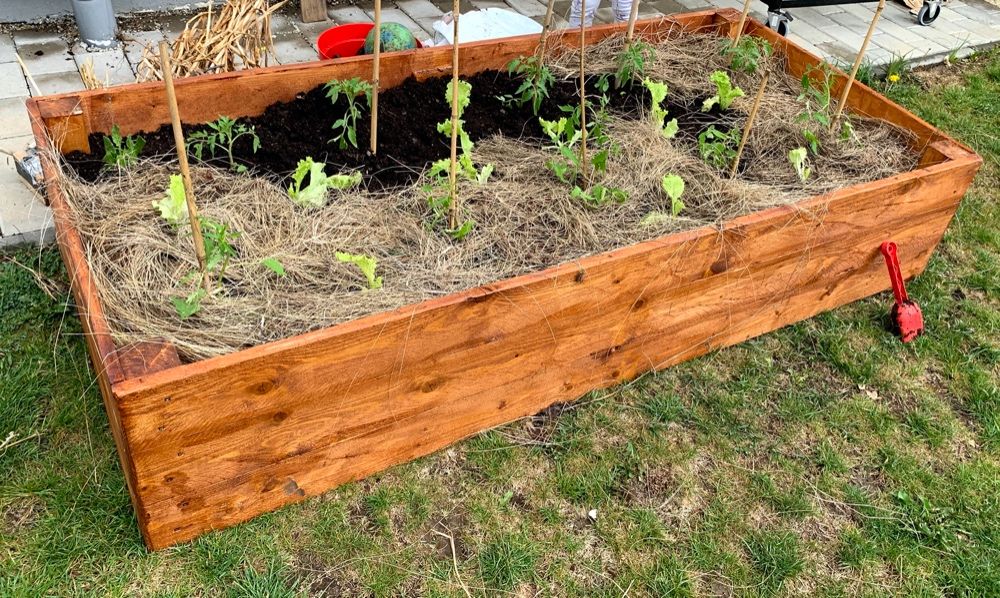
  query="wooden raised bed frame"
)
[{"x": 209, "y": 444}]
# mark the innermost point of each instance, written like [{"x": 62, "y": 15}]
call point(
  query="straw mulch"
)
[{"x": 525, "y": 219}]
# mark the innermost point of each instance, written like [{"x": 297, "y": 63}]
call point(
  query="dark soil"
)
[{"x": 408, "y": 137}]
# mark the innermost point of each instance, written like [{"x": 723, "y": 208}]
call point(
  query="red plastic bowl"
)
[{"x": 345, "y": 40}]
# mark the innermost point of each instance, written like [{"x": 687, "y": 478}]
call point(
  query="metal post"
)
[{"x": 96, "y": 21}]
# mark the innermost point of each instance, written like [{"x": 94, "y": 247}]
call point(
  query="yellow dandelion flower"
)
[{"x": 893, "y": 78}]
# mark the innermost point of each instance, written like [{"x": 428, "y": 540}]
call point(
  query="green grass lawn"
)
[{"x": 826, "y": 458}]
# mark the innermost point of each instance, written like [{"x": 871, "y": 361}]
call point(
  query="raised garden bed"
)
[{"x": 209, "y": 442}]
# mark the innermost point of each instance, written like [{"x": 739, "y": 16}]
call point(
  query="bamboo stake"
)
[
  {"x": 376, "y": 59},
  {"x": 857, "y": 65},
  {"x": 453, "y": 173},
  {"x": 750, "y": 120},
  {"x": 583, "y": 104},
  {"x": 544, "y": 38},
  {"x": 175, "y": 121},
  {"x": 743, "y": 21},
  {"x": 633, "y": 14},
  {"x": 27, "y": 74}
]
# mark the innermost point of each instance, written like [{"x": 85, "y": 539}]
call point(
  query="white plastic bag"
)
[{"x": 478, "y": 25}]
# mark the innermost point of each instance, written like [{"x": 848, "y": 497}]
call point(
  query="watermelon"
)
[{"x": 394, "y": 37}]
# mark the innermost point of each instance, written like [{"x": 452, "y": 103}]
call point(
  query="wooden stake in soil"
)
[
  {"x": 584, "y": 170},
  {"x": 746, "y": 129},
  {"x": 453, "y": 173},
  {"x": 175, "y": 121},
  {"x": 544, "y": 38},
  {"x": 630, "y": 33},
  {"x": 375, "y": 74},
  {"x": 857, "y": 65},
  {"x": 738, "y": 32}
]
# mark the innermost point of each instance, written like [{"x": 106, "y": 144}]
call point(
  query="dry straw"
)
[
  {"x": 236, "y": 36},
  {"x": 525, "y": 219}
]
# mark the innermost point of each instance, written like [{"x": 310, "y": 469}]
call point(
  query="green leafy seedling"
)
[
  {"x": 658, "y": 93},
  {"x": 673, "y": 186},
  {"x": 366, "y": 264},
  {"x": 747, "y": 53},
  {"x": 345, "y": 127},
  {"x": 718, "y": 148},
  {"x": 219, "y": 248},
  {"x": 273, "y": 265},
  {"x": 536, "y": 80},
  {"x": 189, "y": 305},
  {"x": 599, "y": 195},
  {"x": 173, "y": 206},
  {"x": 798, "y": 158},
  {"x": 221, "y": 136},
  {"x": 314, "y": 195},
  {"x": 725, "y": 94},
  {"x": 121, "y": 151},
  {"x": 632, "y": 62}
]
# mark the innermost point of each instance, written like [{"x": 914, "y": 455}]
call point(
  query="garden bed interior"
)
[{"x": 210, "y": 433}]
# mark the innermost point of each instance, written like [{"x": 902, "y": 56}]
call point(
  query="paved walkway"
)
[{"x": 833, "y": 31}]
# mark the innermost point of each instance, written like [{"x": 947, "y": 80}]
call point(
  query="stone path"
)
[{"x": 831, "y": 31}]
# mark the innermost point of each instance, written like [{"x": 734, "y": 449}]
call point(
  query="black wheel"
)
[
  {"x": 928, "y": 13},
  {"x": 783, "y": 28}
]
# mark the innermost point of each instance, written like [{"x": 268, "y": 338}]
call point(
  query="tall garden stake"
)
[
  {"x": 738, "y": 33},
  {"x": 583, "y": 105},
  {"x": 453, "y": 172},
  {"x": 746, "y": 129},
  {"x": 857, "y": 65},
  {"x": 175, "y": 121},
  {"x": 632, "y": 15},
  {"x": 373, "y": 137}
]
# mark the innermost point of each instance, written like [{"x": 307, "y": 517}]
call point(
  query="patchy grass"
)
[{"x": 825, "y": 458}]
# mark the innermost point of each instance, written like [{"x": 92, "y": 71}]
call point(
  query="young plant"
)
[
  {"x": 439, "y": 189},
  {"x": 632, "y": 62},
  {"x": 189, "y": 305},
  {"x": 725, "y": 94},
  {"x": 220, "y": 137},
  {"x": 718, "y": 148},
  {"x": 173, "y": 206},
  {"x": 658, "y": 93},
  {"x": 673, "y": 186},
  {"x": 366, "y": 264},
  {"x": 799, "y": 159},
  {"x": 747, "y": 53},
  {"x": 535, "y": 84},
  {"x": 219, "y": 249},
  {"x": 314, "y": 195},
  {"x": 565, "y": 133},
  {"x": 121, "y": 151},
  {"x": 345, "y": 127},
  {"x": 598, "y": 195},
  {"x": 272, "y": 264},
  {"x": 818, "y": 108}
]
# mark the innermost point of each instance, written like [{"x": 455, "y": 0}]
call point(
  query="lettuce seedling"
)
[
  {"x": 673, "y": 186},
  {"x": 725, "y": 94},
  {"x": 173, "y": 206},
  {"x": 314, "y": 195},
  {"x": 797, "y": 157},
  {"x": 366, "y": 264},
  {"x": 658, "y": 93}
]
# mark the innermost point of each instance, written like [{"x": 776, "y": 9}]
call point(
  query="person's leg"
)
[
  {"x": 622, "y": 9},
  {"x": 590, "y": 7}
]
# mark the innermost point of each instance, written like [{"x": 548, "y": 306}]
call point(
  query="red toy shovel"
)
[{"x": 906, "y": 315}]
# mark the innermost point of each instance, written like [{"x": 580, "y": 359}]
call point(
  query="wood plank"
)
[
  {"x": 144, "y": 358},
  {"x": 332, "y": 409},
  {"x": 313, "y": 11}
]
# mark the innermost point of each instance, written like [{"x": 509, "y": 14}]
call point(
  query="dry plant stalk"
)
[
  {"x": 239, "y": 36},
  {"x": 90, "y": 79},
  {"x": 376, "y": 60},
  {"x": 175, "y": 123},
  {"x": 857, "y": 64},
  {"x": 750, "y": 120},
  {"x": 525, "y": 219},
  {"x": 453, "y": 171}
]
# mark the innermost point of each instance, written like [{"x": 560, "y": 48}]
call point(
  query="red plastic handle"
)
[{"x": 889, "y": 252}]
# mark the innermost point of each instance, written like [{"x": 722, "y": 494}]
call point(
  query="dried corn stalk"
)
[
  {"x": 236, "y": 36},
  {"x": 89, "y": 76}
]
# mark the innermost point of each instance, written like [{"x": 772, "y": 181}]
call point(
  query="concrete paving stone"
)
[
  {"x": 16, "y": 144},
  {"x": 445, "y": 6},
  {"x": 667, "y": 7},
  {"x": 7, "y": 52},
  {"x": 51, "y": 83},
  {"x": 312, "y": 31},
  {"x": 343, "y": 15},
  {"x": 291, "y": 47},
  {"x": 420, "y": 9},
  {"x": 484, "y": 4},
  {"x": 110, "y": 66},
  {"x": 23, "y": 216},
  {"x": 852, "y": 22},
  {"x": 43, "y": 52},
  {"x": 136, "y": 41},
  {"x": 14, "y": 120},
  {"x": 604, "y": 15},
  {"x": 529, "y": 8},
  {"x": 12, "y": 82},
  {"x": 816, "y": 18},
  {"x": 804, "y": 30},
  {"x": 829, "y": 10},
  {"x": 282, "y": 23},
  {"x": 394, "y": 15},
  {"x": 694, "y": 4}
]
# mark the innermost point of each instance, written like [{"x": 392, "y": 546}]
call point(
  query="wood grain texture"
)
[
  {"x": 313, "y": 11},
  {"x": 213, "y": 443}
]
